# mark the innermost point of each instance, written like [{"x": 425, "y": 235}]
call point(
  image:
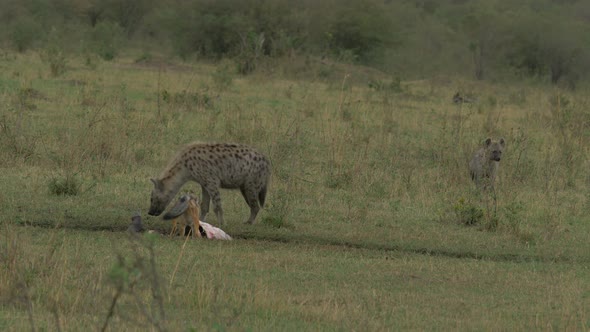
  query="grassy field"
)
[{"x": 366, "y": 226}]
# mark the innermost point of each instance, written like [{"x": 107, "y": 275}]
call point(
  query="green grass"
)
[
  {"x": 363, "y": 229},
  {"x": 261, "y": 285}
]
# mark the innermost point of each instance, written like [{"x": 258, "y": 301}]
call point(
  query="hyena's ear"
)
[
  {"x": 157, "y": 183},
  {"x": 502, "y": 142},
  {"x": 488, "y": 141}
]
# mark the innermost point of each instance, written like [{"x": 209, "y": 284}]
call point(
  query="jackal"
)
[
  {"x": 186, "y": 209},
  {"x": 214, "y": 166}
]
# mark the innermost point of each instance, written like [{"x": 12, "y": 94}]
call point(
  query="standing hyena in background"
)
[
  {"x": 484, "y": 164},
  {"x": 214, "y": 166}
]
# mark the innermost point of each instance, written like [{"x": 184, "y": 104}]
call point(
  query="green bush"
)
[
  {"x": 549, "y": 46},
  {"x": 54, "y": 54},
  {"x": 55, "y": 58},
  {"x": 395, "y": 85},
  {"x": 251, "y": 52},
  {"x": 467, "y": 213},
  {"x": 222, "y": 77},
  {"x": 186, "y": 99},
  {"x": 107, "y": 38},
  {"x": 64, "y": 186},
  {"x": 144, "y": 57},
  {"x": 359, "y": 30},
  {"x": 25, "y": 31}
]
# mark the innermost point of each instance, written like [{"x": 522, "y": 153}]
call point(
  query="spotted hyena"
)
[
  {"x": 214, "y": 166},
  {"x": 485, "y": 162}
]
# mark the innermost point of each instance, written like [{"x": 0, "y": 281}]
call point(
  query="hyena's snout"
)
[
  {"x": 495, "y": 148},
  {"x": 154, "y": 212},
  {"x": 156, "y": 209},
  {"x": 496, "y": 156},
  {"x": 158, "y": 199}
]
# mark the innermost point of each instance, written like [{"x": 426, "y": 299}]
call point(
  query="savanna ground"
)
[{"x": 371, "y": 223}]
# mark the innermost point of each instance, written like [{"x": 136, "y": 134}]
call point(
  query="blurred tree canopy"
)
[{"x": 545, "y": 39}]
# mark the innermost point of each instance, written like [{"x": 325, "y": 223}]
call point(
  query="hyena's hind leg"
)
[{"x": 250, "y": 194}]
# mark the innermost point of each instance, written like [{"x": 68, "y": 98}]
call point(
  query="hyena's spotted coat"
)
[
  {"x": 485, "y": 162},
  {"x": 214, "y": 166}
]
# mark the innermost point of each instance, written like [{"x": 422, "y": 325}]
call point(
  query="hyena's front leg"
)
[
  {"x": 205, "y": 199},
  {"x": 216, "y": 198},
  {"x": 478, "y": 184},
  {"x": 212, "y": 190}
]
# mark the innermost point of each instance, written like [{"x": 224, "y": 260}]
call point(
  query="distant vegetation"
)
[{"x": 548, "y": 40}]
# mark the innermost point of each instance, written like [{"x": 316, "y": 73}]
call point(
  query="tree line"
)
[{"x": 545, "y": 39}]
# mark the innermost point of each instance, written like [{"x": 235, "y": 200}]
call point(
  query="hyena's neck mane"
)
[{"x": 175, "y": 174}]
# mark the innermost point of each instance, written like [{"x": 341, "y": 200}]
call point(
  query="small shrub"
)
[
  {"x": 55, "y": 58},
  {"x": 518, "y": 97},
  {"x": 142, "y": 154},
  {"x": 252, "y": 52},
  {"x": 64, "y": 186},
  {"x": 106, "y": 40},
  {"x": 24, "y": 33},
  {"x": 91, "y": 61},
  {"x": 144, "y": 57},
  {"x": 24, "y": 98},
  {"x": 326, "y": 71},
  {"x": 395, "y": 85},
  {"x": 467, "y": 214},
  {"x": 347, "y": 56},
  {"x": 222, "y": 77},
  {"x": 492, "y": 223},
  {"x": 356, "y": 209},
  {"x": 346, "y": 114},
  {"x": 187, "y": 99},
  {"x": 53, "y": 54},
  {"x": 338, "y": 180},
  {"x": 492, "y": 101},
  {"x": 15, "y": 137}
]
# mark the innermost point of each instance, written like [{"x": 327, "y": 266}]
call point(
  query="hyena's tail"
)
[{"x": 262, "y": 196}]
